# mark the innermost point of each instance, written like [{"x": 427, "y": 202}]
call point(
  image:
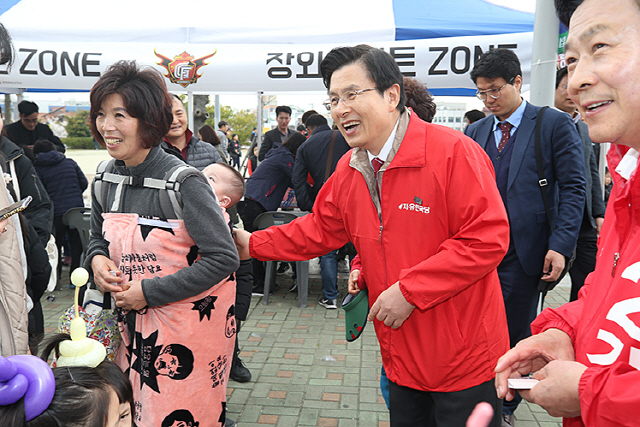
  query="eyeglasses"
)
[
  {"x": 348, "y": 98},
  {"x": 493, "y": 93}
]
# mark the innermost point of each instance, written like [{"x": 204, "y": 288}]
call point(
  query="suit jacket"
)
[
  {"x": 565, "y": 173},
  {"x": 594, "y": 199},
  {"x": 271, "y": 140},
  {"x": 311, "y": 159}
]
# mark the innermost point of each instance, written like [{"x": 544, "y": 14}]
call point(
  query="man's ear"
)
[
  {"x": 224, "y": 201},
  {"x": 517, "y": 82},
  {"x": 394, "y": 96}
]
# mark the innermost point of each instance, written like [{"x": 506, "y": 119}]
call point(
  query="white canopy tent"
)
[{"x": 255, "y": 46}]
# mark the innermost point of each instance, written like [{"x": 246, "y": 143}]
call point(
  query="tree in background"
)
[
  {"x": 78, "y": 124},
  {"x": 241, "y": 121}
]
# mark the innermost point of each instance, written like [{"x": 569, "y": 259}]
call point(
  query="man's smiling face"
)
[
  {"x": 367, "y": 121},
  {"x": 604, "y": 69}
]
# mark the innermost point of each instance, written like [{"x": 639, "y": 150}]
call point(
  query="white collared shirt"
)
[
  {"x": 628, "y": 164},
  {"x": 386, "y": 148},
  {"x": 514, "y": 119}
]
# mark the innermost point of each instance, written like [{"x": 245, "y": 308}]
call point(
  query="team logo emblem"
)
[{"x": 183, "y": 69}]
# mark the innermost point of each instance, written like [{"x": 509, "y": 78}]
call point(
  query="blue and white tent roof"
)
[
  {"x": 253, "y": 44},
  {"x": 256, "y": 21}
]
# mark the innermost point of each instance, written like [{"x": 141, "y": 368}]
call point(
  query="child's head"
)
[
  {"x": 82, "y": 398},
  {"x": 120, "y": 383},
  {"x": 43, "y": 146},
  {"x": 226, "y": 182},
  {"x": 112, "y": 375},
  {"x": 607, "y": 177}
]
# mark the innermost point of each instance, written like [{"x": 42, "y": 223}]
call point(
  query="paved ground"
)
[{"x": 304, "y": 371}]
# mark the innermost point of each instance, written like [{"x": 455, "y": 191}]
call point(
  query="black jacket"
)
[
  {"x": 271, "y": 179},
  {"x": 200, "y": 154},
  {"x": 38, "y": 273},
  {"x": 244, "y": 287},
  {"x": 63, "y": 179},
  {"x": 594, "y": 200},
  {"x": 272, "y": 139},
  {"x": 40, "y": 210},
  {"x": 234, "y": 148},
  {"x": 24, "y": 138},
  {"x": 311, "y": 158}
]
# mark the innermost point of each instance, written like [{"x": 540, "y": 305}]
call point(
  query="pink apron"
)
[{"x": 177, "y": 356}]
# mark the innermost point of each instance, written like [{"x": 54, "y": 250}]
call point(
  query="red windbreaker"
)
[
  {"x": 604, "y": 322},
  {"x": 440, "y": 230}
]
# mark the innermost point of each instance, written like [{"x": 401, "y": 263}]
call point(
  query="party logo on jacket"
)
[
  {"x": 415, "y": 207},
  {"x": 183, "y": 69}
]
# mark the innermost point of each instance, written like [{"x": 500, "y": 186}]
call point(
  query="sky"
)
[{"x": 304, "y": 101}]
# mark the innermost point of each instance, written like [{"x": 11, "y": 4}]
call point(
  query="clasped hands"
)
[{"x": 128, "y": 295}]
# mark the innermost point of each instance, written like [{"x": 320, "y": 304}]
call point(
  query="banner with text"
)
[{"x": 443, "y": 64}]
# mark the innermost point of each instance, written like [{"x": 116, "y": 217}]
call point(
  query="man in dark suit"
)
[
  {"x": 26, "y": 131},
  {"x": 593, "y": 215},
  {"x": 280, "y": 134},
  {"x": 311, "y": 159},
  {"x": 537, "y": 250}
]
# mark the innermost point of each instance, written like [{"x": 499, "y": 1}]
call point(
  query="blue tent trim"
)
[
  {"x": 455, "y": 91},
  {"x": 5, "y": 5},
  {"x": 416, "y": 19}
]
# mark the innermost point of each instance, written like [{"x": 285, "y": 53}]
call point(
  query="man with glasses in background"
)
[
  {"x": 420, "y": 204},
  {"x": 538, "y": 249}
]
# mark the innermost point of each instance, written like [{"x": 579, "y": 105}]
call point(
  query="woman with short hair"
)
[{"x": 169, "y": 273}]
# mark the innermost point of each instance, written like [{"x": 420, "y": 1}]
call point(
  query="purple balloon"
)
[
  {"x": 7, "y": 370},
  {"x": 11, "y": 391},
  {"x": 41, "y": 383}
]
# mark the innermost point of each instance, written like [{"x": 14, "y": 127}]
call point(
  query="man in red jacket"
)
[
  {"x": 430, "y": 228},
  {"x": 586, "y": 353}
]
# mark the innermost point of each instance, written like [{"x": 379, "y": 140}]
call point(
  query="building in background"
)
[{"x": 450, "y": 114}]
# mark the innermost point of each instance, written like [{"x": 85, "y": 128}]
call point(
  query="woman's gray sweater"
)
[{"x": 203, "y": 220}]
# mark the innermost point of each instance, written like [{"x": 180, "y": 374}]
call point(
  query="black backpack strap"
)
[
  {"x": 171, "y": 199},
  {"x": 100, "y": 190},
  {"x": 542, "y": 181},
  {"x": 104, "y": 173}
]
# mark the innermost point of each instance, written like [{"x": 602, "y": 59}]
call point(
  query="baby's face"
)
[{"x": 219, "y": 179}]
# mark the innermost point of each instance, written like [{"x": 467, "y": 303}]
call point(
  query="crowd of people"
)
[{"x": 456, "y": 238}]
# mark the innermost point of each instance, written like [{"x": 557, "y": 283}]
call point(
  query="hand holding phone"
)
[{"x": 15, "y": 208}]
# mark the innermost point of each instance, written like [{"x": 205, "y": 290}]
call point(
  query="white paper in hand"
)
[{"x": 521, "y": 383}]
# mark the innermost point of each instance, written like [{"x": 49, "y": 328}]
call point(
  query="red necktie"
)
[
  {"x": 376, "y": 163},
  {"x": 506, "y": 134}
]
